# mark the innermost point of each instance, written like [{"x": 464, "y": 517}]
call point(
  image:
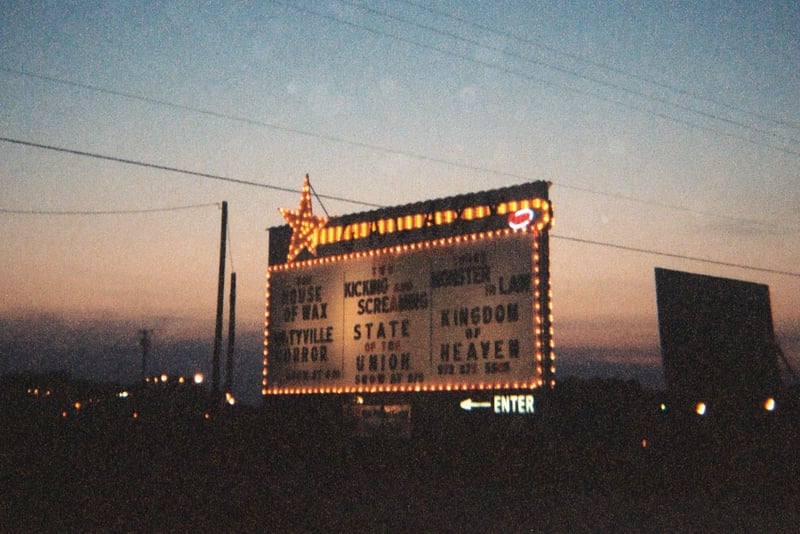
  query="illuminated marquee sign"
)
[{"x": 445, "y": 295}]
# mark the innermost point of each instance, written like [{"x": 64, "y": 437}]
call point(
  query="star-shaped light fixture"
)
[{"x": 305, "y": 225}]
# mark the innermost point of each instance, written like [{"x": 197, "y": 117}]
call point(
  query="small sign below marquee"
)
[{"x": 503, "y": 404}]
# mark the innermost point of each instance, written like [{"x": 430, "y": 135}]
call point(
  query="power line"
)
[
  {"x": 526, "y": 76},
  {"x": 172, "y": 169},
  {"x": 678, "y": 256},
  {"x": 351, "y": 201},
  {"x": 601, "y": 65},
  {"x": 254, "y": 122},
  {"x": 106, "y": 212},
  {"x": 656, "y": 204},
  {"x": 487, "y": 64},
  {"x": 379, "y": 148},
  {"x": 243, "y": 182},
  {"x": 570, "y": 72}
]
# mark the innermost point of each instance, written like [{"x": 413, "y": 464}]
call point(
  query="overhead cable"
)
[
  {"x": 570, "y": 72},
  {"x": 678, "y": 256},
  {"x": 658, "y": 114},
  {"x": 600, "y": 65},
  {"x": 371, "y": 204},
  {"x": 173, "y": 169},
  {"x": 105, "y": 212},
  {"x": 335, "y": 139},
  {"x": 244, "y": 182}
]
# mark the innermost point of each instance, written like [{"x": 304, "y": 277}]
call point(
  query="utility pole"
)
[
  {"x": 231, "y": 336},
  {"x": 215, "y": 363},
  {"x": 145, "y": 344}
]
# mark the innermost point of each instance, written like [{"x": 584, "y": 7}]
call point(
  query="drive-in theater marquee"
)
[{"x": 443, "y": 295}]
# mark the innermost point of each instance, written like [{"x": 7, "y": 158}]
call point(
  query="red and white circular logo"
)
[{"x": 521, "y": 219}]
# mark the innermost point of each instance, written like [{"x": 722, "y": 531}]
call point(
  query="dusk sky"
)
[{"x": 670, "y": 132}]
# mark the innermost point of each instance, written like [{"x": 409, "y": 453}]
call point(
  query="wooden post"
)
[
  {"x": 231, "y": 336},
  {"x": 215, "y": 363}
]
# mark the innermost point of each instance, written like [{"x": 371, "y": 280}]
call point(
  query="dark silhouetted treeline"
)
[{"x": 598, "y": 455}]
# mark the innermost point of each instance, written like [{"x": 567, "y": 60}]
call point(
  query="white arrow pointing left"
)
[{"x": 469, "y": 404}]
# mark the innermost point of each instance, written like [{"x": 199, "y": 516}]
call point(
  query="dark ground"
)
[{"x": 578, "y": 464}]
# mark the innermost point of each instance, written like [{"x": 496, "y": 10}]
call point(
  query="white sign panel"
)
[{"x": 438, "y": 316}]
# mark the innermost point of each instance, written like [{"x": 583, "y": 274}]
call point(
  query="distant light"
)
[
  {"x": 663, "y": 407},
  {"x": 700, "y": 409},
  {"x": 198, "y": 378},
  {"x": 229, "y": 398},
  {"x": 77, "y": 405},
  {"x": 206, "y": 416},
  {"x": 181, "y": 380},
  {"x": 644, "y": 443},
  {"x": 359, "y": 399},
  {"x": 769, "y": 404},
  {"x": 135, "y": 415},
  {"x": 123, "y": 394},
  {"x": 164, "y": 378}
]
